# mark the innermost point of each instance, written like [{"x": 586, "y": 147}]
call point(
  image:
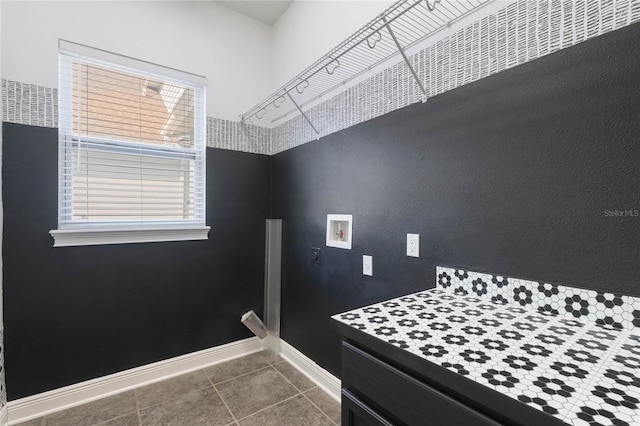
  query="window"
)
[{"x": 131, "y": 150}]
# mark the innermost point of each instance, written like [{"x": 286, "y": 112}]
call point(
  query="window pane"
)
[
  {"x": 116, "y": 186},
  {"x": 118, "y": 105},
  {"x": 131, "y": 144}
]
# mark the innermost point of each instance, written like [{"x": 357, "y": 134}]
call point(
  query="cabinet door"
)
[
  {"x": 357, "y": 413},
  {"x": 405, "y": 399}
]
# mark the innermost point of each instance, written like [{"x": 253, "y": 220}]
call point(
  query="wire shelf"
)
[{"x": 401, "y": 26}]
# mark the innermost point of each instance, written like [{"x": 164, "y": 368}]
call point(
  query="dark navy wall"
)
[
  {"x": 77, "y": 313},
  {"x": 511, "y": 174}
]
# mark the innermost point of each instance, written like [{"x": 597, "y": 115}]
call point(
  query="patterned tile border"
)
[
  {"x": 29, "y": 104},
  {"x": 518, "y": 33},
  {"x": 237, "y": 136},
  {"x": 607, "y": 309},
  {"x": 38, "y": 106}
]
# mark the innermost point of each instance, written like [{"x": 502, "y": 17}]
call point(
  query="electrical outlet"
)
[
  {"x": 413, "y": 245},
  {"x": 367, "y": 265},
  {"x": 315, "y": 255}
]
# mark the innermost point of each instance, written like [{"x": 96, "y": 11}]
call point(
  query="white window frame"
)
[{"x": 80, "y": 233}]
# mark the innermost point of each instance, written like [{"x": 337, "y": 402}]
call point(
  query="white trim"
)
[
  {"x": 321, "y": 377},
  {"x": 331, "y": 241},
  {"x": 39, "y": 405},
  {"x": 82, "y": 51},
  {"x": 70, "y": 139},
  {"x": 44, "y": 403},
  {"x": 89, "y": 237}
]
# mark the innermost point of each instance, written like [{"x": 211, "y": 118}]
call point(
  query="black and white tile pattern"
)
[
  {"x": 607, "y": 309},
  {"x": 570, "y": 367}
]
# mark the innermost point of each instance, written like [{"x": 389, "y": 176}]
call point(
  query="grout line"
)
[
  {"x": 303, "y": 393},
  {"x": 290, "y": 382},
  {"x": 235, "y": 420},
  {"x": 223, "y": 401},
  {"x": 282, "y": 361},
  {"x": 240, "y": 375},
  {"x": 173, "y": 398},
  {"x": 275, "y": 359},
  {"x": 115, "y": 418},
  {"x": 269, "y": 366},
  {"x": 43, "y": 422},
  {"x": 135, "y": 396},
  {"x": 314, "y": 404},
  {"x": 270, "y": 406}
]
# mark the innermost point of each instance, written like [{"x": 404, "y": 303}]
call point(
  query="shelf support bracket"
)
[
  {"x": 304, "y": 115},
  {"x": 404, "y": 56}
]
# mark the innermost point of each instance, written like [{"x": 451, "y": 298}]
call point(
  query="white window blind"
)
[{"x": 131, "y": 150}]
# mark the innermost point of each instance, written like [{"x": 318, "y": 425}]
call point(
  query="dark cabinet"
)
[
  {"x": 357, "y": 413},
  {"x": 377, "y": 393}
]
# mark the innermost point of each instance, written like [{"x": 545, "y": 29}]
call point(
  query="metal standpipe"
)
[{"x": 272, "y": 283}]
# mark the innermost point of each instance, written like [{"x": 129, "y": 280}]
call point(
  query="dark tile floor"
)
[{"x": 257, "y": 389}]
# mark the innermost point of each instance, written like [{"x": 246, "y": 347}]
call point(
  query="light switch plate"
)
[
  {"x": 367, "y": 265},
  {"x": 413, "y": 245}
]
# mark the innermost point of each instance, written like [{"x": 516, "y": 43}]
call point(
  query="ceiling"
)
[{"x": 266, "y": 11}]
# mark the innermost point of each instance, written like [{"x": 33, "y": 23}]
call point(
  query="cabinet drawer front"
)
[
  {"x": 357, "y": 413},
  {"x": 401, "y": 396}
]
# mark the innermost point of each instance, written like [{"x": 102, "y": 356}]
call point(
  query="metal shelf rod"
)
[
  {"x": 303, "y": 114},
  {"x": 333, "y": 55},
  {"x": 405, "y": 23},
  {"x": 406, "y": 60}
]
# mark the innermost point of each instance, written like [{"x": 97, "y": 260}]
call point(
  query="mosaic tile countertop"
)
[{"x": 577, "y": 370}]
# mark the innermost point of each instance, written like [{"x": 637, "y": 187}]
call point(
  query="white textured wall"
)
[
  {"x": 243, "y": 59},
  {"x": 311, "y": 28},
  {"x": 202, "y": 37}
]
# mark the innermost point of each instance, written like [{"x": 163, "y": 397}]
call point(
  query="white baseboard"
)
[
  {"x": 35, "y": 406},
  {"x": 321, "y": 377},
  {"x": 44, "y": 403}
]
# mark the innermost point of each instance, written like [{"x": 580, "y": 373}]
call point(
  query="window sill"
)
[{"x": 92, "y": 237}]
